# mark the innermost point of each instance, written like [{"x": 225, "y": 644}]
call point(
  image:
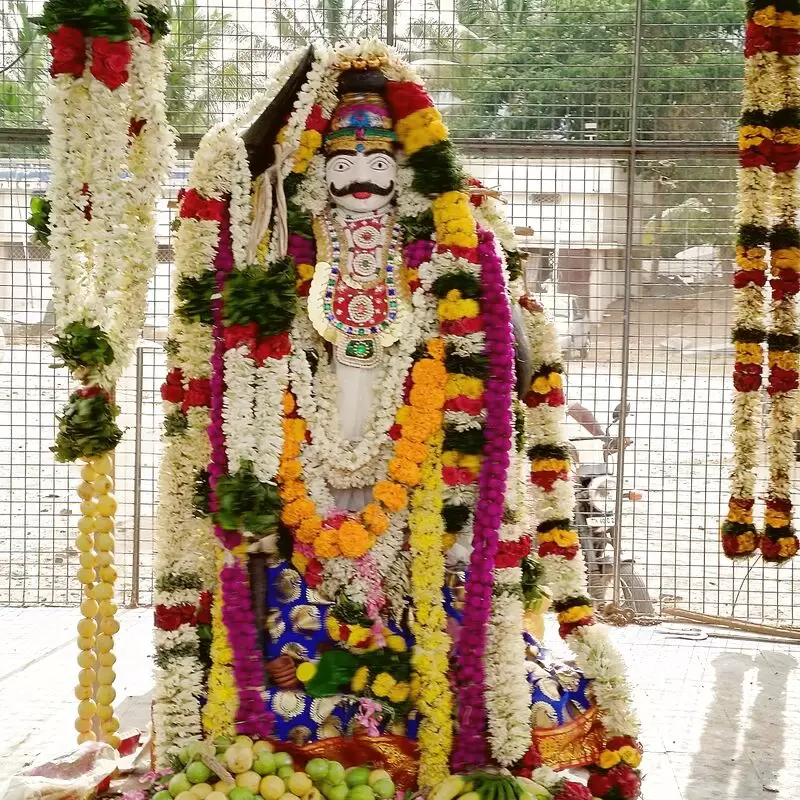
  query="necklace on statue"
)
[{"x": 360, "y": 307}]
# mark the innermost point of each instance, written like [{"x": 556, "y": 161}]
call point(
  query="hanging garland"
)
[
  {"x": 110, "y": 152},
  {"x": 769, "y": 145}
]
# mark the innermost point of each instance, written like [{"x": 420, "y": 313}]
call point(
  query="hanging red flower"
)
[
  {"x": 110, "y": 61},
  {"x": 68, "y": 47}
]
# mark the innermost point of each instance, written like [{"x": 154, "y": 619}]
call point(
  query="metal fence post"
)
[
  {"x": 137, "y": 479},
  {"x": 626, "y": 311}
]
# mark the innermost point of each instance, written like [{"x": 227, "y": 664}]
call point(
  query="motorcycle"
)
[{"x": 594, "y": 468}]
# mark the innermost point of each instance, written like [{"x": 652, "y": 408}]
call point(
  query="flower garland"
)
[
  {"x": 470, "y": 672},
  {"x": 108, "y": 71},
  {"x": 507, "y": 687},
  {"x": 185, "y": 558},
  {"x": 430, "y": 654},
  {"x": 769, "y": 147},
  {"x": 616, "y": 772},
  {"x": 220, "y": 708}
]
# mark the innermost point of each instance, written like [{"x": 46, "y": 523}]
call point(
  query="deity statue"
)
[{"x": 364, "y": 407}]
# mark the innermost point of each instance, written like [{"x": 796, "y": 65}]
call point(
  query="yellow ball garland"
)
[{"x": 97, "y": 576}]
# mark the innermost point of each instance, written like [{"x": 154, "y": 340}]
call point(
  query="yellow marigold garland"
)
[
  {"x": 429, "y": 658},
  {"x": 220, "y": 708}
]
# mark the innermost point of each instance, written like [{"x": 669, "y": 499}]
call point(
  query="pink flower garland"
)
[
  {"x": 252, "y": 716},
  {"x": 471, "y": 746}
]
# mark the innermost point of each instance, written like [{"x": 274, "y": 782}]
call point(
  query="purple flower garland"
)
[
  {"x": 252, "y": 717},
  {"x": 471, "y": 745}
]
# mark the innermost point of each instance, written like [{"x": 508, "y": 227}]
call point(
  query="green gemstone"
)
[{"x": 360, "y": 349}]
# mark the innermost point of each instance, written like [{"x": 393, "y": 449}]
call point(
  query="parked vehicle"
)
[
  {"x": 571, "y": 321},
  {"x": 594, "y": 464}
]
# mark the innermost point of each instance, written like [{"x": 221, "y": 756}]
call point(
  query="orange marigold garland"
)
[{"x": 769, "y": 153}]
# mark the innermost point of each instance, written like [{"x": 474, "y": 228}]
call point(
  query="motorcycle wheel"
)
[{"x": 634, "y": 591}]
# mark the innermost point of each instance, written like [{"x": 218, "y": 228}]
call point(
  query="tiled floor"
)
[{"x": 721, "y": 718}]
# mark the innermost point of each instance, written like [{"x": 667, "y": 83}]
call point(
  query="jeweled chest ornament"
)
[{"x": 360, "y": 303}]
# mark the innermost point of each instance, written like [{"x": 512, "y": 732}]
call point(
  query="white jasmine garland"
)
[
  {"x": 462, "y": 421},
  {"x": 271, "y": 382},
  {"x": 238, "y": 407},
  {"x": 508, "y": 693}
]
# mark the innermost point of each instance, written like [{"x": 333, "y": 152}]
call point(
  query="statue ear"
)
[{"x": 259, "y": 138}]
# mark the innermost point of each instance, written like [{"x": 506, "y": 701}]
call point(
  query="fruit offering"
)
[
  {"x": 259, "y": 772},
  {"x": 490, "y": 786}
]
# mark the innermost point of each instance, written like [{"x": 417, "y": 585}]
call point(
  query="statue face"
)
[{"x": 361, "y": 182}]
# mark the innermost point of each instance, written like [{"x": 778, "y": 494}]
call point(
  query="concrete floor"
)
[{"x": 721, "y": 718}]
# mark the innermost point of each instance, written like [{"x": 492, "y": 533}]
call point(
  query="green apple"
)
[
  {"x": 282, "y": 760},
  {"x": 356, "y": 776},
  {"x": 198, "y": 772},
  {"x": 162, "y": 795},
  {"x": 185, "y": 796},
  {"x": 249, "y": 780},
  {"x": 264, "y": 763},
  {"x": 299, "y": 784},
  {"x": 285, "y": 772},
  {"x": 239, "y": 758},
  {"x": 334, "y": 791},
  {"x": 336, "y": 772},
  {"x": 361, "y": 792},
  {"x": 178, "y": 783},
  {"x": 263, "y": 747},
  {"x": 271, "y": 787},
  {"x": 384, "y": 788},
  {"x": 184, "y": 756},
  {"x": 378, "y": 775},
  {"x": 240, "y": 793},
  {"x": 317, "y": 769},
  {"x": 201, "y": 790},
  {"x": 216, "y": 796}
]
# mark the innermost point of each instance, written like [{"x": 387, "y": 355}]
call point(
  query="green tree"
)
[
  {"x": 23, "y": 66},
  {"x": 327, "y": 21},
  {"x": 216, "y": 64}
]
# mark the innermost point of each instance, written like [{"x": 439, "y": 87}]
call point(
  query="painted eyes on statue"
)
[
  {"x": 380, "y": 163},
  {"x": 341, "y": 164}
]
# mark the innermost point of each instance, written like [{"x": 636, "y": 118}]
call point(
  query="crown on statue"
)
[{"x": 362, "y": 120}]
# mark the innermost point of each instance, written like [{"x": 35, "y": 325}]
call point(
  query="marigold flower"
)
[
  {"x": 435, "y": 350},
  {"x": 393, "y": 496},
  {"x": 295, "y": 512},
  {"x": 429, "y": 372},
  {"x": 359, "y": 680},
  {"x": 289, "y": 470},
  {"x": 399, "y": 692},
  {"x": 299, "y": 562},
  {"x": 457, "y": 309},
  {"x": 396, "y": 643},
  {"x": 327, "y": 544},
  {"x": 421, "y": 425},
  {"x": 463, "y": 385},
  {"x": 787, "y": 546},
  {"x": 427, "y": 398},
  {"x": 288, "y": 403},
  {"x": 413, "y": 451},
  {"x": 575, "y": 614},
  {"x": 375, "y": 519},
  {"x": 471, "y": 461},
  {"x": 353, "y": 539},
  {"x": 295, "y": 429},
  {"x": 383, "y": 684},
  {"x": 608, "y": 759},
  {"x": 404, "y": 471},
  {"x": 305, "y": 271},
  {"x": 630, "y": 755},
  {"x": 309, "y": 529},
  {"x": 292, "y": 490},
  {"x": 333, "y": 627},
  {"x": 358, "y": 636}
]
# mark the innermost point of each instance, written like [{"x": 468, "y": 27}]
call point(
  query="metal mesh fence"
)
[{"x": 610, "y": 132}]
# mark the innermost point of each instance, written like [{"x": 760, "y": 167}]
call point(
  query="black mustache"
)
[{"x": 352, "y": 188}]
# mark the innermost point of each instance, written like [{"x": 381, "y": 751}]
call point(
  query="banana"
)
[
  {"x": 532, "y": 789},
  {"x": 449, "y": 788},
  {"x": 469, "y": 796}
]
